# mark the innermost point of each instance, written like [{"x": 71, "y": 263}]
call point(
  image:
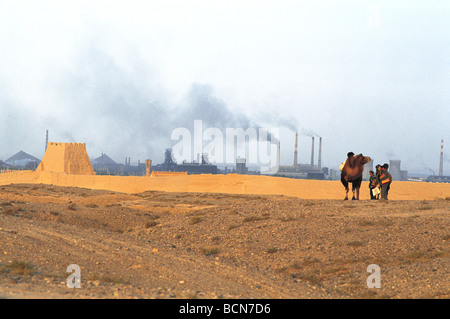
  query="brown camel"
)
[{"x": 352, "y": 173}]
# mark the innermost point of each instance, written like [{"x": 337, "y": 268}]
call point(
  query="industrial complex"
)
[
  {"x": 298, "y": 170},
  {"x": 104, "y": 165}
]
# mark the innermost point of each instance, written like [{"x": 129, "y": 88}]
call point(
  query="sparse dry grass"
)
[
  {"x": 8, "y": 211},
  {"x": 426, "y": 207},
  {"x": 255, "y": 218},
  {"x": 366, "y": 222},
  {"x": 151, "y": 223},
  {"x": 355, "y": 243},
  {"x": 285, "y": 219},
  {"x": 208, "y": 251},
  {"x": 18, "y": 268},
  {"x": 195, "y": 220},
  {"x": 309, "y": 277}
]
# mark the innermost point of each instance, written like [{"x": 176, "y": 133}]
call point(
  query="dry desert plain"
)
[{"x": 171, "y": 244}]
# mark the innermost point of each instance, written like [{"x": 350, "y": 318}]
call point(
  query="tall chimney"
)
[
  {"x": 441, "y": 162},
  {"x": 312, "y": 152},
  {"x": 296, "y": 149},
  {"x": 46, "y": 140},
  {"x": 319, "y": 162}
]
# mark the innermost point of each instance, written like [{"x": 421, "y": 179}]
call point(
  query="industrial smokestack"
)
[
  {"x": 312, "y": 152},
  {"x": 441, "y": 162},
  {"x": 319, "y": 162},
  {"x": 46, "y": 140},
  {"x": 296, "y": 150}
]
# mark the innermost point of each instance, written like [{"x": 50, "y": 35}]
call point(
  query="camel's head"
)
[{"x": 362, "y": 159}]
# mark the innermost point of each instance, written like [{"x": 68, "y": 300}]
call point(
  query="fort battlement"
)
[
  {"x": 68, "y": 158},
  {"x": 65, "y": 144}
]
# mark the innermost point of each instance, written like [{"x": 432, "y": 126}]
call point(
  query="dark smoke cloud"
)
[
  {"x": 113, "y": 108},
  {"x": 118, "y": 109},
  {"x": 201, "y": 103},
  {"x": 123, "y": 111}
]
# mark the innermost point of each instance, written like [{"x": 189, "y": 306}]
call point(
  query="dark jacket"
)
[{"x": 373, "y": 181}]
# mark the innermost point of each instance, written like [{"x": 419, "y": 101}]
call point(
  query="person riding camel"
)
[{"x": 349, "y": 154}]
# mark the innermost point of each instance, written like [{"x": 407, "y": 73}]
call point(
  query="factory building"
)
[
  {"x": 4, "y": 168},
  {"x": 201, "y": 166},
  {"x": 241, "y": 167},
  {"x": 104, "y": 161},
  {"x": 104, "y": 165},
  {"x": 298, "y": 170},
  {"x": 22, "y": 160}
]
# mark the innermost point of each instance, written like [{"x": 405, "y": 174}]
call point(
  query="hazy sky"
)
[{"x": 371, "y": 77}]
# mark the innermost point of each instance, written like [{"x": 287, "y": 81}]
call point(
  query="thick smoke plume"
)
[{"x": 120, "y": 110}]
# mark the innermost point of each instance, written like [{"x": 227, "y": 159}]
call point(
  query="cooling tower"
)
[{"x": 394, "y": 169}]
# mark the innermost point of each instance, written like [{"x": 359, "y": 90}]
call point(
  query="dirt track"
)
[{"x": 197, "y": 245}]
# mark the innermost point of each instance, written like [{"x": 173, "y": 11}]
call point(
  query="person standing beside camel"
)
[
  {"x": 385, "y": 181},
  {"x": 374, "y": 185},
  {"x": 378, "y": 173}
]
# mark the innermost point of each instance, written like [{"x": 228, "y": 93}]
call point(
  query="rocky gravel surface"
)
[{"x": 197, "y": 245}]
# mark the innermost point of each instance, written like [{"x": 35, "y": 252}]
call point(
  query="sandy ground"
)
[{"x": 214, "y": 245}]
